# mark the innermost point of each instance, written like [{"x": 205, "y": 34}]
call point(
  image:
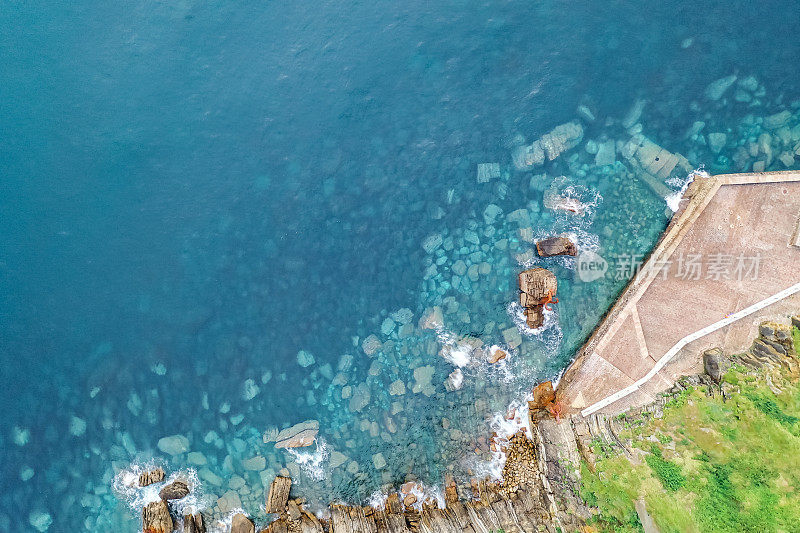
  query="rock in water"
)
[
  {"x": 278, "y": 494},
  {"x": 151, "y": 476},
  {"x": 543, "y": 395},
  {"x": 535, "y": 284},
  {"x": 717, "y": 88},
  {"x": 156, "y": 518},
  {"x": 537, "y": 288},
  {"x": 497, "y": 356},
  {"x": 173, "y": 445},
  {"x": 299, "y": 435},
  {"x": 556, "y": 246},
  {"x": 174, "y": 491},
  {"x": 549, "y": 146},
  {"x": 194, "y": 523},
  {"x": 242, "y": 524}
]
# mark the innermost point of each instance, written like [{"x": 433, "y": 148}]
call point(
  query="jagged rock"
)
[
  {"x": 556, "y": 246},
  {"x": 174, "y": 491},
  {"x": 278, "y": 495},
  {"x": 156, "y": 518},
  {"x": 194, "y": 523},
  {"x": 535, "y": 284},
  {"x": 151, "y": 476},
  {"x": 242, "y": 524},
  {"x": 543, "y": 395},
  {"x": 497, "y": 355},
  {"x": 714, "y": 363},
  {"x": 299, "y": 435}
]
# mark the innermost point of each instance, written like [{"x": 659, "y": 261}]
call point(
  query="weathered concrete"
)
[{"x": 733, "y": 215}]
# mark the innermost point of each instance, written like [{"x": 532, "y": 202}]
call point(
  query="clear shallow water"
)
[{"x": 192, "y": 193}]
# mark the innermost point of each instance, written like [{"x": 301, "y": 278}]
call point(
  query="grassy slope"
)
[{"x": 709, "y": 465}]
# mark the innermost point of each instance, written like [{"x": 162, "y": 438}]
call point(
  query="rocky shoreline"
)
[{"x": 540, "y": 489}]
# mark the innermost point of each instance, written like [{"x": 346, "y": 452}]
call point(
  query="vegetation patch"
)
[{"x": 712, "y": 463}]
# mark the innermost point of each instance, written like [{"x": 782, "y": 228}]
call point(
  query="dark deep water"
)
[{"x": 193, "y": 192}]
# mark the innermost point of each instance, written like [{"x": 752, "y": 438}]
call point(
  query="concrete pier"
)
[{"x": 728, "y": 261}]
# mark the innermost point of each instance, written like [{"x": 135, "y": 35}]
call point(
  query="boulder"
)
[
  {"x": 156, "y": 518},
  {"x": 174, "y": 491},
  {"x": 497, "y": 356},
  {"x": 298, "y": 436},
  {"x": 242, "y": 524},
  {"x": 173, "y": 445},
  {"x": 278, "y": 495},
  {"x": 543, "y": 395},
  {"x": 549, "y": 146},
  {"x": 194, "y": 523},
  {"x": 556, "y": 246},
  {"x": 714, "y": 363},
  {"x": 717, "y": 88},
  {"x": 151, "y": 476},
  {"x": 534, "y": 316},
  {"x": 535, "y": 284}
]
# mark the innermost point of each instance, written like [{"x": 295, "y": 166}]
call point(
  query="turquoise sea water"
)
[{"x": 193, "y": 193}]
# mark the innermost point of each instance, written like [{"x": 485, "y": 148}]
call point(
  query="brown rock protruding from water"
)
[
  {"x": 538, "y": 288},
  {"x": 194, "y": 523},
  {"x": 174, "y": 491},
  {"x": 556, "y": 246},
  {"x": 156, "y": 518},
  {"x": 151, "y": 476},
  {"x": 242, "y": 524},
  {"x": 278, "y": 495},
  {"x": 543, "y": 395}
]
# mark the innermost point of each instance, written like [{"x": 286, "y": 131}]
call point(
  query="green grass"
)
[
  {"x": 667, "y": 472},
  {"x": 796, "y": 339},
  {"x": 708, "y": 465}
]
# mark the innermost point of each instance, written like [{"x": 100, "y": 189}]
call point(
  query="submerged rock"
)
[
  {"x": 156, "y": 518},
  {"x": 549, "y": 146},
  {"x": 298, "y": 436},
  {"x": 556, "y": 246},
  {"x": 305, "y": 359},
  {"x": 173, "y": 445},
  {"x": 488, "y": 171},
  {"x": 716, "y": 89}
]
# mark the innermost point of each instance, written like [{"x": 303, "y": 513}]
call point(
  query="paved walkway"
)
[{"x": 726, "y": 262}]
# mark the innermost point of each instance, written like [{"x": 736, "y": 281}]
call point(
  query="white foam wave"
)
[
  {"x": 312, "y": 463},
  {"x": 126, "y": 488}
]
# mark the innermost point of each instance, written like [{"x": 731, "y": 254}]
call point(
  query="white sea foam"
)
[
  {"x": 126, "y": 488},
  {"x": 674, "y": 200},
  {"x": 312, "y": 463}
]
